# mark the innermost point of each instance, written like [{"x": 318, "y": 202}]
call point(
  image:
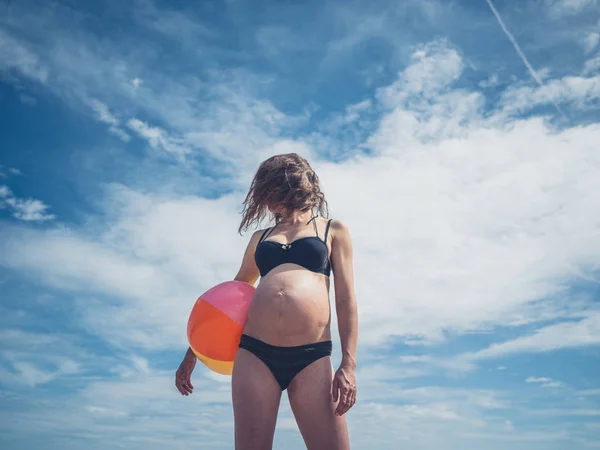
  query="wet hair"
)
[{"x": 285, "y": 181}]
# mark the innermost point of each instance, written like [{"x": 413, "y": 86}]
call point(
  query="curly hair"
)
[{"x": 287, "y": 181}]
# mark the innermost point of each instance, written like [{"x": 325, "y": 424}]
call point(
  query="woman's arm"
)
[
  {"x": 345, "y": 299},
  {"x": 347, "y": 314},
  {"x": 248, "y": 271}
]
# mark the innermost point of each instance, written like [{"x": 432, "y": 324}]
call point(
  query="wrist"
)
[{"x": 348, "y": 363}]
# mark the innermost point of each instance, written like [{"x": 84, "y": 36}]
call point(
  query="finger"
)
[
  {"x": 346, "y": 406},
  {"x": 343, "y": 406},
  {"x": 335, "y": 390},
  {"x": 343, "y": 399},
  {"x": 179, "y": 387},
  {"x": 184, "y": 383},
  {"x": 187, "y": 385},
  {"x": 351, "y": 401}
]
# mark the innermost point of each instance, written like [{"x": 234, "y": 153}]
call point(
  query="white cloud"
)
[
  {"x": 552, "y": 384},
  {"x": 434, "y": 66},
  {"x": 590, "y": 41},
  {"x": 592, "y": 66},
  {"x": 136, "y": 82},
  {"x": 538, "y": 77},
  {"x": 16, "y": 55},
  {"x": 575, "y": 91},
  {"x": 537, "y": 380},
  {"x": 104, "y": 115},
  {"x": 544, "y": 382},
  {"x": 492, "y": 81},
  {"x": 103, "y": 406},
  {"x": 179, "y": 25},
  {"x": 478, "y": 207},
  {"x": 216, "y": 115},
  {"x": 30, "y": 359},
  {"x": 559, "y": 336},
  {"x": 148, "y": 254},
  {"x": 32, "y": 375},
  {"x": 158, "y": 138},
  {"x": 569, "y": 7},
  {"x": 353, "y": 111},
  {"x": 26, "y": 209}
]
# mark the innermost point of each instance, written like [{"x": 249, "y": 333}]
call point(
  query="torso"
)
[{"x": 291, "y": 303}]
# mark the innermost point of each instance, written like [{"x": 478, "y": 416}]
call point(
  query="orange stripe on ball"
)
[{"x": 212, "y": 333}]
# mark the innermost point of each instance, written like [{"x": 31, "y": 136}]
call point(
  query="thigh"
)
[
  {"x": 256, "y": 396},
  {"x": 313, "y": 407}
]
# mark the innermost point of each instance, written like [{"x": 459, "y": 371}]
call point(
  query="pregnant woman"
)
[{"x": 286, "y": 343}]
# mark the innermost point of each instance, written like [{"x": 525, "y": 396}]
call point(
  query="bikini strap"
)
[
  {"x": 327, "y": 230},
  {"x": 314, "y": 224},
  {"x": 265, "y": 234}
]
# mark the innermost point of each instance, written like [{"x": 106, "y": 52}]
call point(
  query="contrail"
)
[{"x": 512, "y": 39}]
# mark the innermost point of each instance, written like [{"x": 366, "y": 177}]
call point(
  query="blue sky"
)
[{"x": 457, "y": 140}]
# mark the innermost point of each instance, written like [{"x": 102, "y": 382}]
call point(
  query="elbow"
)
[
  {"x": 346, "y": 306},
  {"x": 245, "y": 278}
]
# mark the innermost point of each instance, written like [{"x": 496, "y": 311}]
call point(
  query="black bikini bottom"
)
[{"x": 285, "y": 362}]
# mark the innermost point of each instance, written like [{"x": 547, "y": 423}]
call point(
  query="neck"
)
[{"x": 296, "y": 217}]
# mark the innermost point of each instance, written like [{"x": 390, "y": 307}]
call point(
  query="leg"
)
[
  {"x": 256, "y": 396},
  {"x": 313, "y": 407}
]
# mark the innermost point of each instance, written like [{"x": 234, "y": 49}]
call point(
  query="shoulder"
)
[
  {"x": 338, "y": 225},
  {"x": 257, "y": 235},
  {"x": 338, "y": 229}
]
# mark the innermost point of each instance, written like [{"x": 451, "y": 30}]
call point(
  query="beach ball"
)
[{"x": 216, "y": 322}]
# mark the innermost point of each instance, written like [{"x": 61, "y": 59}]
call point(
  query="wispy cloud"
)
[
  {"x": 559, "y": 336},
  {"x": 16, "y": 55},
  {"x": 434, "y": 66},
  {"x": 492, "y": 81},
  {"x": 544, "y": 382},
  {"x": 569, "y": 7},
  {"x": 517, "y": 47},
  {"x": 537, "y": 380},
  {"x": 590, "y": 41},
  {"x": 575, "y": 91},
  {"x": 103, "y": 114},
  {"x": 26, "y": 209},
  {"x": 592, "y": 66},
  {"x": 158, "y": 138}
]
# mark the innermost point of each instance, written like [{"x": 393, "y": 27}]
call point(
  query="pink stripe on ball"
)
[{"x": 232, "y": 298}]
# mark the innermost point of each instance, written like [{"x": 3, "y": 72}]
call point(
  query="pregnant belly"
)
[{"x": 290, "y": 307}]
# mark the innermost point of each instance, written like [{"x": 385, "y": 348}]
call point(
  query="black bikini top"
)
[{"x": 309, "y": 252}]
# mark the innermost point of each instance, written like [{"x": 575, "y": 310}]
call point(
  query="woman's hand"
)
[
  {"x": 344, "y": 389},
  {"x": 183, "y": 376}
]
